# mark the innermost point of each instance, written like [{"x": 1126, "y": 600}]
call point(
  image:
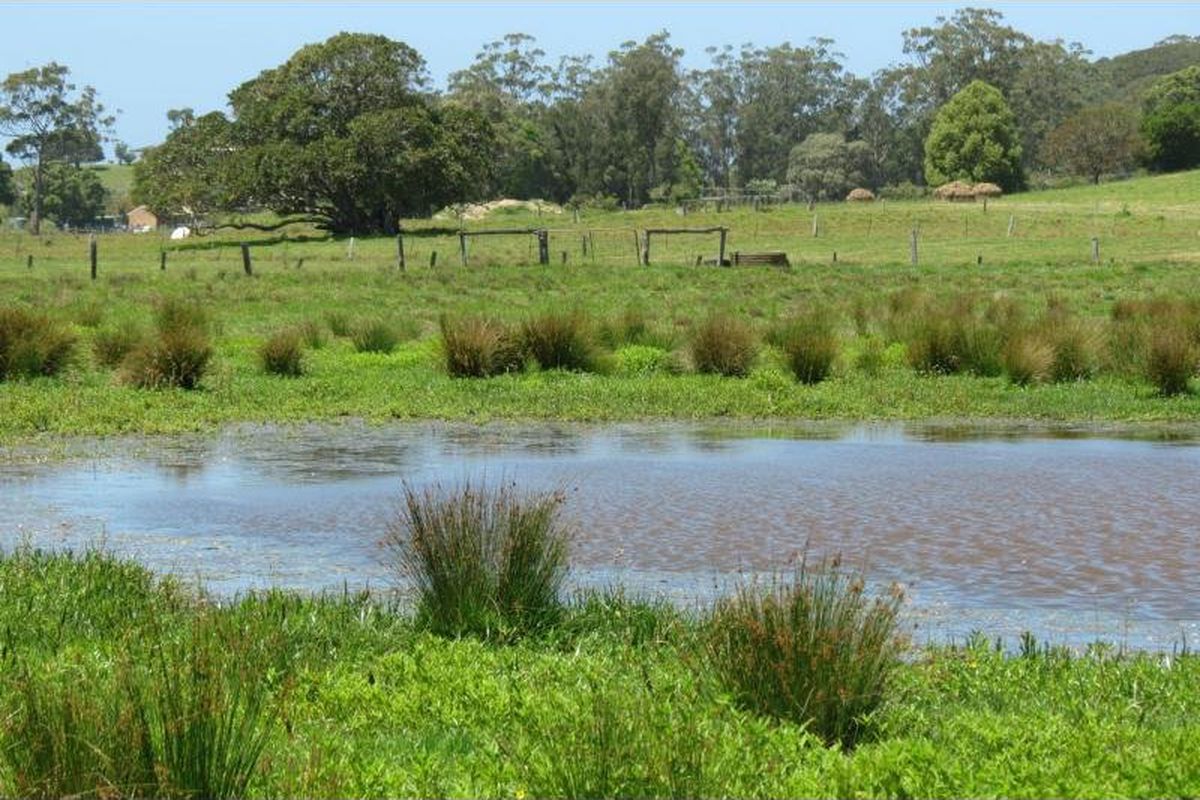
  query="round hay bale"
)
[
  {"x": 861, "y": 196},
  {"x": 955, "y": 191},
  {"x": 987, "y": 190}
]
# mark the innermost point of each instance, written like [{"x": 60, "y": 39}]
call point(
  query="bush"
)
[
  {"x": 810, "y": 347},
  {"x": 560, "y": 341},
  {"x": 479, "y": 347},
  {"x": 1172, "y": 360},
  {"x": 283, "y": 354},
  {"x": 724, "y": 345},
  {"x": 112, "y": 345},
  {"x": 483, "y": 562},
  {"x": 32, "y": 344},
  {"x": 813, "y": 650},
  {"x": 374, "y": 336}
]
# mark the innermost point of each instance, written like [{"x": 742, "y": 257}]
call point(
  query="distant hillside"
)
[
  {"x": 1126, "y": 77},
  {"x": 1175, "y": 192}
]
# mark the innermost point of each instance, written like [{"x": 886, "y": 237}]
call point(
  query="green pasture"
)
[{"x": 1149, "y": 246}]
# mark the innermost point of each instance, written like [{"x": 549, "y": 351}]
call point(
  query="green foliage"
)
[
  {"x": 283, "y": 353},
  {"x": 479, "y": 347},
  {"x": 177, "y": 355},
  {"x": 814, "y": 650},
  {"x": 724, "y": 345},
  {"x": 7, "y": 195},
  {"x": 1173, "y": 136},
  {"x": 1096, "y": 141},
  {"x": 111, "y": 345},
  {"x": 1174, "y": 89},
  {"x": 482, "y": 562},
  {"x": 825, "y": 166},
  {"x": 71, "y": 196},
  {"x": 32, "y": 344},
  {"x": 974, "y": 138},
  {"x": 190, "y": 174}
]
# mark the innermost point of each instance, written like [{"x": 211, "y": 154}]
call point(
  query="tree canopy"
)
[{"x": 974, "y": 138}]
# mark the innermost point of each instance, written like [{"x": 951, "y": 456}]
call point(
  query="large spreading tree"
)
[
  {"x": 974, "y": 138},
  {"x": 342, "y": 133},
  {"x": 50, "y": 122}
]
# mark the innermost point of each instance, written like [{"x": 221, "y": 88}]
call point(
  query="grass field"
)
[
  {"x": 1149, "y": 245},
  {"x": 354, "y": 698}
]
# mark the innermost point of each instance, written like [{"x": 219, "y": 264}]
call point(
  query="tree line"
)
[{"x": 348, "y": 133}]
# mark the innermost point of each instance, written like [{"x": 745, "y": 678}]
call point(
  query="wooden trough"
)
[{"x": 772, "y": 258}]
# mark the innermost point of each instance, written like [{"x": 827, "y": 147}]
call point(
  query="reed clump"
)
[
  {"x": 810, "y": 347},
  {"x": 32, "y": 344},
  {"x": 561, "y": 340},
  {"x": 283, "y": 354},
  {"x": 479, "y": 347},
  {"x": 724, "y": 345},
  {"x": 374, "y": 336},
  {"x": 1172, "y": 360},
  {"x": 813, "y": 649},
  {"x": 110, "y": 346},
  {"x": 176, "y": 354},
  {"x": 485, "y": 562}
]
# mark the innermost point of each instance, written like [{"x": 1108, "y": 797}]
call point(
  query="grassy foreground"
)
[
  {"x": 355, "y": 698},
  {"x": 304, "y": 280}
]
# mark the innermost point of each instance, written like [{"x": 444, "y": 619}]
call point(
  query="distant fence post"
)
[
  {"x": 637, "y": 247},
  {"x": 1095, "y": 249},
  {"x": 29, "y": 261},
  {"x": 433, "y": 259},
  {"x": 912, "y": 247},
  {"x": 1012, "y": 224},
  {"x": 721, "y": 252},
  {"x": 162, "y": 260},
  {"x": 815, "y": 229},
  {"x": 400, "y": 251},
  {"x": 543, "y": 239},
  {"x": 246, "y": 259},
  {"x": 462, "y": 247},
  {"x": 646, "y": 249},
  {"x": 92, "y": 253}
]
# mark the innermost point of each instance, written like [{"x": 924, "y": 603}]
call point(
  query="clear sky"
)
[{"x": 145, "y": 58}]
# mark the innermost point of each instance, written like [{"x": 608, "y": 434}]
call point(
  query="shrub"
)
[
  {"x": 32, "y": 344},
  {"x": 374, "y": 336},
  {"x": 483, "y": 562},
  {"x": 560, "y": 341},
  {"x": 724, "y": 345},
  {"x": 283, "y": 354},
  {"x": 1172, "y": 360},
  {"x": 111, "y": 345},
  {"x": 810, "y": 347},
  {"x": 813, "y": 650},
  {"x": 479, "y": 347},
  {"x": 1028, "y": 358}
]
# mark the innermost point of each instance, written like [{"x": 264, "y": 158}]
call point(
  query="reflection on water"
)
[{"x": 998, "y": 528}]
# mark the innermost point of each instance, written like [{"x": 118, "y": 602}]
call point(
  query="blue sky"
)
[{"x": 146, "y": 58}]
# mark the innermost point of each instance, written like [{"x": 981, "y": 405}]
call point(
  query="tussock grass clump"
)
[
  {"x": 724, "y": 345},
  {"x": 111, "y": 345},
  {"x": 312, "y": 334},
  {"x": 375, "y": 336},
  {"x": 633, "y": 328},
  {"x": 188, "y": 718},
  {"x": 810, "y": 346},
  {"x": 871, "y": 355},
  {"x": 177, "y": 356},
  {"x": 32, "y": 344},
  {"x": 1172, "y": 360},
  {"x": 479, "y": 347},
  {"x": 283, "y": 354},
  {"x": 953, "y": 337},
  {"x": 483, "y": 562},
  {"x": 1028, "y": 359},
  {"x": 558, "y": 340},
  {"x": 339, "y": 323},
  {"x": 814, "y": 650}
]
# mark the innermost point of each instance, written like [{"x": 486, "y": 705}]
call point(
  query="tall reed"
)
[{"x": 724, "y": 345}]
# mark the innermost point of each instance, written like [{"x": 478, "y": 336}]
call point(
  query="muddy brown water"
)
[{"x": 1072, "y": 534}]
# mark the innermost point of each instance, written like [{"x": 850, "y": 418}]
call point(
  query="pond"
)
[{"x": 1075, "y": 535}]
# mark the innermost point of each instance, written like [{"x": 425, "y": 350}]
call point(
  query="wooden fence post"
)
[
  {"x": 912, "y": 247},
  {"x": 433, "y": 259},
  {"x": 400, "y": 251},
  {"x": 92, "y": 253},
  {"x": 721, "y": 252},
  {"x": 29, "y": 261},
  {"x": 543, "y": 238},
  {"x": 162, "y": 260},
  {"x": 350, "y": 250},
  {"x": 1012, "y": 224},
  {"x": 1095, "y": 249},
  {"x": 646, "y": 249},
  {"x": 815, "y": 229},
  {"x": 246, "y": 259},
  {"x": 462, "y": 247}
]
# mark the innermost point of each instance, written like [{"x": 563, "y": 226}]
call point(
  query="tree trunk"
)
[{"x": 35, "y": 223}]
